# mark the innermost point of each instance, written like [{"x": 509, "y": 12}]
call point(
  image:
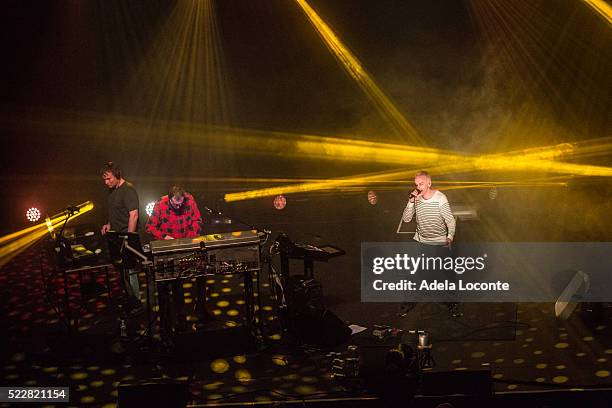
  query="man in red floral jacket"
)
[{"x": 176, "y": 215}]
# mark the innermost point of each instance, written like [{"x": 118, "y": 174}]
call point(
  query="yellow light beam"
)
[
  {"x": 11, "y": 249},
  {"x": 243, "y": 180},
  {"x": 360, "y": 179},
  {"x": 496, "y": 185},
  {"x": 524, "y": 164},
  {"x": 19, "y": 233},
  {"x": 404, "y": 185},
  {"x": 448, "y": 187},
  {"x": 201, "y": 136},
  {"x": 61, "y": 217},
  {"x": 356, "y": 71},
  {"x": 602, "y": 8},
  {"x": 182, "y": 75},
  {"x": 532, "y": 159},
  {"x": 592, "y": 148},
  {"x": 371, "y": 152},
  {"x": 287, "y": 144},
  {"x": 14, "y": 235},
  {"x": 536, "y": 159}
]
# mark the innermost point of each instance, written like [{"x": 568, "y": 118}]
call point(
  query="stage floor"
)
[{"x": 524, "y": 346}]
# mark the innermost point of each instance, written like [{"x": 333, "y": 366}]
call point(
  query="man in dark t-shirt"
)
[
  {"x": 123, "y": 208},
  {"x": 122, "y": 203},
  {"x": 122, "y": 217}
]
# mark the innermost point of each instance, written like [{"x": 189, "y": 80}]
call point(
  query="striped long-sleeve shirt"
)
[{"x": 434, "y": 219}]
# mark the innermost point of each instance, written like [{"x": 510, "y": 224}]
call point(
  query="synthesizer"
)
[{"x": 223, "y": 253}]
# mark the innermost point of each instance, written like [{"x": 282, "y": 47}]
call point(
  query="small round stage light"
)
[
  {"x": 372, "y": 197},
  {"x": 493, "y": 193},
  {"x": 149, "y": 208},
  {"x": 33, "y": 214},
  {"x": 280, "y": 202}
]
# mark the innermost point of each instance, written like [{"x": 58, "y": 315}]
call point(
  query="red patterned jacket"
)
[{"x": 165, "y": 221}]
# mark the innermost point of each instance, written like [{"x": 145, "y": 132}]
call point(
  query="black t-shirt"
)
[{"x": 121, "y": 201}]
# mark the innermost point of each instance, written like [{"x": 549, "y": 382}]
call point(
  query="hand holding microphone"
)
[{"x": 414, "y": 195}]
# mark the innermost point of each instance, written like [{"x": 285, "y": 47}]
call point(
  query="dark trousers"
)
[
  {"x": 442, "y": 251},
  {"x": 131, "y": 285}
]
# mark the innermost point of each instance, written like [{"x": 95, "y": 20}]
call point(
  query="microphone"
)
[
  {"x": 72, "y": 209},
  {"x": 415, "y": 195}
]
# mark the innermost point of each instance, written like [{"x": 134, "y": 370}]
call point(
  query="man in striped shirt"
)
[
  {"x": 435, "y": 225},
  {"x": 434, "y": 218}
]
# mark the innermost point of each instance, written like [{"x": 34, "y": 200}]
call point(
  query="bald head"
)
[{"x": 422, "y": 181}]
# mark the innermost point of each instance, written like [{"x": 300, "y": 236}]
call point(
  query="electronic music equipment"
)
[
  {"x": 307, "y": 252},
  {"x": 221, "y": 253},
  {"x": 173, "y": 246},
  {"x": 316, "y": 253},
  {"x": 231, "y": 239},
  {"x": 233, "y": 252},
  {"x": 185, "y": 267},
  {"x": 211, "y": 241}
]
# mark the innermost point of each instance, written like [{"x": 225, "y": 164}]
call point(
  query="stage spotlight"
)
[
  {"x": 33, "y": 214},
  {"x": 280, "y": 202},
  {"x": 372, "y": 197},
  {"x": 149, "y": 208}
]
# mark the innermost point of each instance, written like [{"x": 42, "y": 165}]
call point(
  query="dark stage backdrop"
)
[{"x": 76, "y": 72}]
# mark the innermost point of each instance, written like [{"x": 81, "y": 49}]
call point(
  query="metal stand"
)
[
  {"x": 144, "y": 262},
  {"x": 65, "y": 275},
  {"x": 65, "y": 264},
  {"x": 425, "y": 357}
]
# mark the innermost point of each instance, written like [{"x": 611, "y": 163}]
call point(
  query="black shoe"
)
[
  {"x": 453, "y": 308},
  {"x": 406, "y": 307}
]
